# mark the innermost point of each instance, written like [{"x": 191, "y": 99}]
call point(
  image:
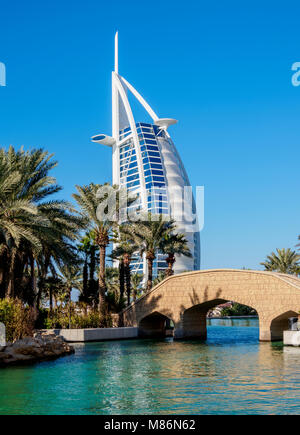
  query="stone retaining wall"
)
[{"x": 100, "y": 334}]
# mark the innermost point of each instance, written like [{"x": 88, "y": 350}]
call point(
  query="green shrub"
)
[
  {"x": 18, "y": 319},
  {"x": 238, "y": 310},
  {"x": 61, "y": 318}
]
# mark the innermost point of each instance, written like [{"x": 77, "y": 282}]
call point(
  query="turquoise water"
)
[{"x": 230, "y": 373}]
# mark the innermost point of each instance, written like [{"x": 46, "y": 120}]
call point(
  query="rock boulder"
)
[{"x": 41, "y": 347}]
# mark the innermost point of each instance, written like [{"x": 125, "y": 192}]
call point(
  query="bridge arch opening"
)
[
  {"x": 194, "y": 319},
  {"x": 156, "y": 325},
  {"x": 280, "y": 324}
]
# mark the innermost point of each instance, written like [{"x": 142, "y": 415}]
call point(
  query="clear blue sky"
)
[{"x": 222, "y": 68}]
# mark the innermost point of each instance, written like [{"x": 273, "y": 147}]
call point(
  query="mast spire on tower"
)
[{"x": 117, "y": 53}]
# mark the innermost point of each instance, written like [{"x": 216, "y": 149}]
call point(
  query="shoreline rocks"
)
[{"x": 30, "y": 350}]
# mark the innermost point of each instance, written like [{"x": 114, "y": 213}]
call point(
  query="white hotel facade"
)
[{"x": 146, "y": 162}]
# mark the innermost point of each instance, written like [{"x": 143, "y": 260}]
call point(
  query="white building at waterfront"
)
[{"x": 146, "y": 162}]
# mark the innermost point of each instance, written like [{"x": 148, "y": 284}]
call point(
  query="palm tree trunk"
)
[
  {"x": 122, "y": 282},
  {"x": 134, "y": 295},
  {"x": 150, "y": 275},
  {"x": 92, "y": 263},
  {"x": 70, "y": 291},
  {"x": 3, "y": 273},
  {"x": 150, "y": 258},
  {"x": 32, "y": 276},
  {"x": 44, "y": 271},
  {"x": 102, "y": 284},
  {"x": 39, "y": 294},
  {"x": 11, "y": 277},
  {"x": 170, "y": 262},
  {"x": 92, "y": 267},
  {"x": 85, "y": 280},
  {"x": 128, "y": 281},
  {"x": 51, "y": 298}
]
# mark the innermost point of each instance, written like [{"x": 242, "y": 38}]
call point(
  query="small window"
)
[
  {"x": 155, "y": 166},
  {"x": 153, "y": 154},
  {"x": 153, "y": 160}
]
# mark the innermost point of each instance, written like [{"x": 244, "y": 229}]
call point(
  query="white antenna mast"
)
[{"x": 117, "y": 53}]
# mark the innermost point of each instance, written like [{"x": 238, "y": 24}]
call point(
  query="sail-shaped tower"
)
[{"x": 146, "y": 162}]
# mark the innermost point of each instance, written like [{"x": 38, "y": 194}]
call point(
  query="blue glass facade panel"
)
[{"x": 153, "y": 174}]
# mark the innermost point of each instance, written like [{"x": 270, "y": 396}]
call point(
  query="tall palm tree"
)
[
  {"x": 18, "y": 217},
  {"x": 89, "y": 250},
  {"x": 54, "y": 287},
  {"x": 32, "y": 227},
  {"x": 89, "y": 201},
  {"x": 57, "y": 242},
  {"x": 171, "y": 245},
  {"x": 148, "y": 234},
  {"x": 124, "y": 252},
  {"x": 283, "y": 261},
  {"x": 84, "y": 248},
  {"x": 117, "y": 255},
  {"x": 71, "y": 278},
  {"x": 113, "y": 290}
]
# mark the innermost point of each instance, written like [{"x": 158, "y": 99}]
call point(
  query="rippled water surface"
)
[{"x": 230, "y": 373}]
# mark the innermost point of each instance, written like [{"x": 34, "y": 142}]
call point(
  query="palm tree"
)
[
  {"x": 124, "y": 252},
  {"x": 113, "y": 290},
  {"x": 88, "y": 248},
  {"x": 57, "y": 242},
  {"x": 18, "y": 216},
  {"x": 33, "y": 230},
  {"x": 148, "y": 234},
  {"x": 296, "y": 270},
  {"x": 136, "y": 284},
  {"x": 283, "y": 261},
  {"x": 71, "y": 278},
  {"x": 54, "y": 287},
  {"x": 174, "y": 244},
  {"x": 84, "y": 248},
  {"x": 89, "y": 201}
]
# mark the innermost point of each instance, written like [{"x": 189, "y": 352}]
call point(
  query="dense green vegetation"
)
[
  {"x": 48, "y": 247},
  {"x": 238, "y": 310},
  {"x": 19, "y": 320}
]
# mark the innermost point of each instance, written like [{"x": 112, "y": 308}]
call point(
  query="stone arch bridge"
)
[{"x": 186, "y": 298}]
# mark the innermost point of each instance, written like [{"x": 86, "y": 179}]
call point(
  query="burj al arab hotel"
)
[{"x": 146, "y": 162}]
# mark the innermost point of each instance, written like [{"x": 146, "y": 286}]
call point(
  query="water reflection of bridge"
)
[{"x": 185, "y": 299}]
